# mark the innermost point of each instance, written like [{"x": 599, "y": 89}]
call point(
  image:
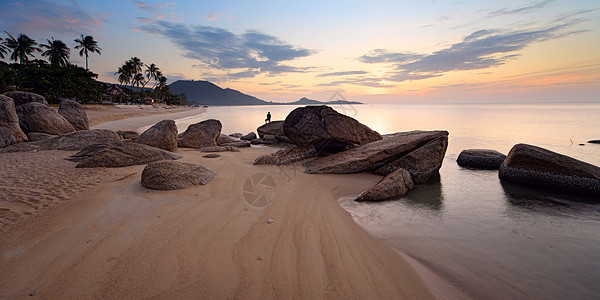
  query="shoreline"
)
[{"x": 108, "y": 237}]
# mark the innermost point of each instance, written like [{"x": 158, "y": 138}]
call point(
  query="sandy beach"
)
[{"x": 97, "y": 233}]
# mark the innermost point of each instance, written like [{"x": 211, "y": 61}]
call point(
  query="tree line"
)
[{"x": 58, "y": 78}]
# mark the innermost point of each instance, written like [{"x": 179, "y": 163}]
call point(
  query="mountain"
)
[{"x": 207, "y": 93}]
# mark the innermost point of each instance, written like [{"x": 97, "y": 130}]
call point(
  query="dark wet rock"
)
[
  {"x": 38, "y": 117},
  {"x": 283, "y": 139},
  {"x": 287, "y": 156},
  {"x": 531, "y": 165},
  {"x": 218, "y": 149},
  {"x": 594, "y": 142},
  {"x": 224, "y": 139},
  {"x": 21, "y": 98},
  {"x": 238, "y": 144},
  {"x": 75, "y": 114},
  {"x": 174, "y": 175},
  {"x": 39, "y": 136},
  {"x": 274, "y": 128},
  {"x": 76, "y": 140},
  {"x": 162, "y": 135},
  {"x": 270, "y": 141},
  {"x": 326, "y": 129},
  {"x": 422, "y": 163},
  {"x": 211, "y": 155},
  {"x": 128, "y": 134},
  {"x": 119, "y": 154},
  {"x": 249, "y": 137},
  {"x": 10, "y": 131},
  {"x": 393, "y": 185},
  {"x": 237, "y": 135},
  {"x": 203, "y": 134},
  {"x": 480, "y": 159},
  {"x": 391, "y": 149}
]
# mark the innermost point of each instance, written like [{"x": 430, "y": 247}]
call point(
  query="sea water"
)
[{"x": 490, "y": 240}]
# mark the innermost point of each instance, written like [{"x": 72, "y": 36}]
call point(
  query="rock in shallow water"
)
[
  {"x": 480, "y": 159},
  {"x": 393, "y": 185},
  {"x": 174, "y": 175},
  {"x": 531, "y": 165}
]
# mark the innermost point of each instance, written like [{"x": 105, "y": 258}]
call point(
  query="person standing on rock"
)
[{"x": 268, "y": 119}]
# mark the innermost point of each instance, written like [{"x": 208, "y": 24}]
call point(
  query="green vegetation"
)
[{"x": 61, "y": 79}]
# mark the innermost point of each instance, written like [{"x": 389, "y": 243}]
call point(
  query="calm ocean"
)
[{"x": 488, "y": 239}]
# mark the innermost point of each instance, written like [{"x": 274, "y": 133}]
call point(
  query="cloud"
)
[
  {"x": 342, "y": 73},
  {"x": 246, "y": 54},
  {"x": 43, "y": 16},
  {"x": 481, "y": 49},
  {"x": 216, "y": 16},
  {"x": 370, "y": 82},
  {"x": 521, "y": 10}
]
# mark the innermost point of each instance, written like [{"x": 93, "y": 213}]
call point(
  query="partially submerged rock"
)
[
  {"x": 174, "y": 175},
  {"x": 203, "y": 134},
  {"x": 249, "y": 137},
  {"x": 287, "y": 156},
  {"x": 10, "y": 131},
  {"x": 119, "y": 154},
  {"x": 267, "y": 140},
  {"x": 377, "y": 155},
  {"x": 237, "y": 135},
  {"x": 531, "y": 165},
  {"x": 21, "y": 98},
  {"x": 38, "y": 117},
  {"x": 162, "y": 135},
  {"x": 224, "y": 139},
  {"x": 480, "y": 159},
  {"x": 75, "y": 114},
  {"x": 594, "y": 142},
  {"x": 326, "y": 129},
  {"x": 393, "y": 185},
  {"x": 238, "y": 144}
]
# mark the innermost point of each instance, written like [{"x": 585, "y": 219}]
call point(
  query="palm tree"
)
[
  {"x": 87, "y": 44},
  {"x": 3, "y": 49},
  {"x": 125, "y": 74},
  {"x": 152, "y": 73},
  {"x": 136, "y": 64},
  {"x": 22, "y": 47},
  {"x": 162, "y": 88},
  {"x": 137, "y": 79},
  {"x": 58, "y": 52}
]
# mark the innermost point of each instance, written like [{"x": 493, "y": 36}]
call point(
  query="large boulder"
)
[
  {"x": 174, "y": 175},
  {"x": 531, "y": 165},
  {"x": 38, "y": 117},
  {"x": 76, "y": 140},
  {"x": 287, "y": 156},
  {"x": 162, "y": 135},
  {"x": 21, "y": 98},
  {"x": 422, "y": 162},
  {"x": 326, "y": 129},
  {"x": 274, "y": 128},
  {"x": 390, "y": 150},
  {"x": 10, "y": 132},
  {"x": 201, "y": 134},
  {"x": 121, "y": 154},
  {"x": 393, "y": 185},
  {"x": 480, "y": 159},
  {"x": 75, "y": 114}
]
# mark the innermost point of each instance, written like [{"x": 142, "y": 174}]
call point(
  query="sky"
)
[{"x": 371, "y": 51}]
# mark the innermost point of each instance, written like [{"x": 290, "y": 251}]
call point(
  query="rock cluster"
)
[
  {"x": 531, "y": 165},
  {"x": 38, "y": 117},
  {"x": 174, "y": 175},
  {"x": 480, "y": 159}
]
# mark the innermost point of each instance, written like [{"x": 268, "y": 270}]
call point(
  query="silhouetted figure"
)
[{"x": 268, "y": 119}]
